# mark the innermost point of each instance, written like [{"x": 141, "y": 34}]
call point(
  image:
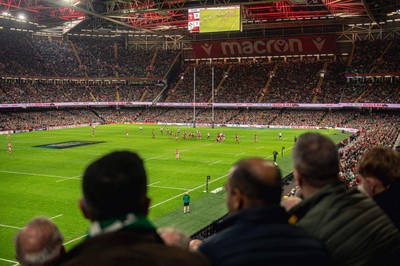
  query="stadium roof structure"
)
[{"x": 165, "y": 16}]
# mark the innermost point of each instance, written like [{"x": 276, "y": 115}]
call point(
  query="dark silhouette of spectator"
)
[
  {"x": 115, "y": 200},
  {"x": 40, "y": 242},
  {"x": 257, "y": 231},
  {"x": 355, "y": 230},
  {"x": 379, "y": 170}
]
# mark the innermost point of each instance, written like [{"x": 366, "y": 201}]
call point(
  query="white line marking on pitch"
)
[
  {"x": 153, "y": 183},
  {"x": 152, "y": 158},
  {"x": 259, "y": 147},
  {"x": 11, "y": 261},
  {"x": 21, "y": 173},
  {"x": 186, "y": 150},
  {"x": 177, "y": 188},
  {"x": 207, "y": 145},
  {"x": 75, "y": 239},
  {"x": 240, "y": 154},
  {"x": 68, "y": 178},
  {"x": 10, "y": 226},
  {"x": 19, "y": 228},
  {"x": 215, "y": 162},
  {"x": 54, "y": 217},
  {"x": 155, "y": 205}
]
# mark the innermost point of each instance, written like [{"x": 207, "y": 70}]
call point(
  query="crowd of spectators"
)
[
  {"x": 255, "y": 117},
  {"x": 163, "y": 62},
  {"x": 375, "y": 56},
  {"x": 23, "y": 54},
  {"x": 367, "y": 54},
  {"x": 118, "y": 116},
  {"x": 96, "y": 55},
  {"x": 133, "y": 63},
  {"x": 244, "y": 83},
  {"x": 47, "y": 92},
  {"x": 362, "y": 120},
  {"x": 294, "y": 82},
  {"x": 221, "y": 116},
  {"x": 355, "y": 146},
  {"x": 170, "y": 115},
  {"x": 203, "y": 87},
  {"x": 388, "y": 92},
  {"x": 18, "y": 57},
  {"x": 389, "y": 62},
  {"x": 129, "y": 93},
  {"x": 333, "y": 85},
  {"x": 299, "y": 118},
  {"x": 58, "y": 57},
  {"x": 38, "y": 119}
]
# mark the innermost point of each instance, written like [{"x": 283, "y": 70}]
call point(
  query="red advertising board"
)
[{"x": 324, "y": 44}]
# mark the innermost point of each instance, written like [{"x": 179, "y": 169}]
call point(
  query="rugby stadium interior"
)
[{"x": 295, "y": 64}]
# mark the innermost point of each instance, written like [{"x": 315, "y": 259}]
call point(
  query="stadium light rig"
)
[{"x": 22, "y": 16}]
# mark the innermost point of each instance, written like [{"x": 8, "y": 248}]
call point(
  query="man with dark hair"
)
[
  {"x": 115, "y": 200},
  {"x": 257, "y": 231},
  {"x": 39, "y": 243},
  {"x": 355, "y": 230},
  {"x": 379, "y": 170}
]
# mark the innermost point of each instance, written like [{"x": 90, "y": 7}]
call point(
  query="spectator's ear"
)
[
  {"x": 372, "y": 185},
  {"x": 238, "y": 199},
  {"x": 297, "y": 177},
  {"x": 84, "y": 208}
]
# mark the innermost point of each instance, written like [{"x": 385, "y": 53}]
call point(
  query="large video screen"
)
[{"x": 214, "y": 19}]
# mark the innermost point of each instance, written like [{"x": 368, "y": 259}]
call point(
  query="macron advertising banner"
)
[{"x": 324, "y": 44}]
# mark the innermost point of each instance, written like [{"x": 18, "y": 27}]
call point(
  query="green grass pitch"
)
[
  {"x": 42, "y": 181},
  {"x": 216, "y": 20}
]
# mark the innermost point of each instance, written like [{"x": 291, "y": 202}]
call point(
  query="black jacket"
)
[
  {"x": 262, "y": 236},
  {"x": 389, "y": 201},
  {"x": 130, "y": 247}
]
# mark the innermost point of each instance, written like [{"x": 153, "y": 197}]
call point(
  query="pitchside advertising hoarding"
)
[
  {"x": 324, "y": 44},
  {"x": 204, "y": 105}
]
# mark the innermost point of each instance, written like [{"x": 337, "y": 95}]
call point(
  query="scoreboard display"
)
[{"x": 214, "y": 19}]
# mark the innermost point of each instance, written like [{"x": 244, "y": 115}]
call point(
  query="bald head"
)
[
  {"x": 253, "y": 182},
  {"x": 39, "y": 243}
]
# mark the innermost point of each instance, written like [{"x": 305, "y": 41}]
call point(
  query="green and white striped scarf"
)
[{"x": 129, "y": 220}]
